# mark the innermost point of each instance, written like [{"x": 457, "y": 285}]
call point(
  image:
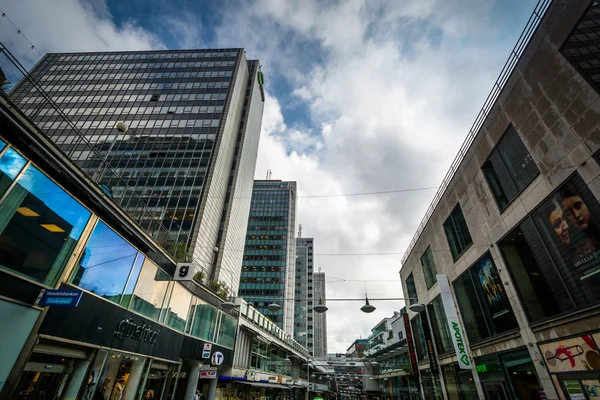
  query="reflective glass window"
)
[
  {"x": 457, "y": 232},
  {"x": 227, "y": 331},
  {"x": 429, "y": 270},
  {"x": 106, "y": 264},
  {"x": 11, "y": 164},
  {"x": 179, "y": 307},
  {"x": 205, "y": 321},
  {"x": 39, "y": 226},
  {"x": 150, "y": 291}
]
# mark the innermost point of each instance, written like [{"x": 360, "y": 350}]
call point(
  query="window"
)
[
  {"x": 429, "y": 269},
  {"x": 204, "y": 322},
  {"x": 228, "y": 326},
  {"x": 457, "y": 232},
  {"x": 439, "y": 325},
  {"x": 40, "y": 223},
  {"x": 553, "y": 256},
  {"x": 509, "y": 169},
  {"x": 412, "y": 289},
  {"x": 581, "y": 47},
  {"x": 483, "y": 302},
  {"x": 106, "y": 264},
  {"x": 150, "y": 291},
  {"x": 11, "y": 165},
  {"x": 179, "y": 307}
]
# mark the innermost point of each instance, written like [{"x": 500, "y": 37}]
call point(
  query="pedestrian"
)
[
  {"x": 149, "y": 395},
  {"x": 197, "y": 396}
]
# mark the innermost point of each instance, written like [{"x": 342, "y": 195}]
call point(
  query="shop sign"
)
[
  {"x": 452, "y": 317},
  {"x": 569, "y": 355},
  {"x": 217, "y": 358},
  {"x": 252, "y": 376},
  {"x": 143, "y": 333},
  {"x": 411, "y": 346},
  {"x": 206, "y": 350},
  {"x": 207, "y": 368},
  {"x": 433, "y": 366},
  {"x": 59, "y": 298},
  {"x": 491, "y": 367},
  {"x": 208, "y": 374},
  {"x": 184, "y": 272}
]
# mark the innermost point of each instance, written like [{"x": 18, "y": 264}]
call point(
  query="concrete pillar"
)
[
  {"x": 192, "y": 383},
  {"x": 77, "y": 379},
  {"x": 135, "y": 376},
  {"x": 212, "y": 389}
]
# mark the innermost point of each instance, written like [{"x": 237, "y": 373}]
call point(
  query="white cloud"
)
[{"x": 392, "y": 89}]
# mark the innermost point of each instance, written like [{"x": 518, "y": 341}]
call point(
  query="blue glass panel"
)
[{"x": 11, "y": 164}]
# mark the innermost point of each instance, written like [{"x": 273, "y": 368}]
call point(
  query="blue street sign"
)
[{"x": 59, "y": 298}]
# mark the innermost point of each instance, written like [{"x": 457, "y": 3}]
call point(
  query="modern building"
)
[
  {"x": 302, "y": 296},
  {"x": 357, "y": 348},
  {"x": 506, "y": 259},
  {"x": 319, "y": 319},
  {"x": 268, "y": 266},
  {"x": 123, "y": 324},
  {"x": 181, "y": 161}
]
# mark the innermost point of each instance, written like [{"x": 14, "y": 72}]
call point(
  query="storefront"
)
[
  {"x": 248, "y": 390},
  {"x": 432, "y": 388},
  {"x": 510, "y": 375},
  {"x": 459, "y": 383},
  {"x": 574, "y": 365}
]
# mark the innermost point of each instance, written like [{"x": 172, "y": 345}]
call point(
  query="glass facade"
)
[
  {"x": 304, "y": 274},
  {"x": 553, "y": 254},
  {"x": 439, "y": 326},
  {"x": 457, "y": 232},
  {"x": 509, "y": 168},
  {"x": 189, "y": 114},
  {"x": 581, "y": 47},
  {"x": 429, "y": 270},
  {"x": 270, "y": 252},
  {"x": 483, "y": 301}
]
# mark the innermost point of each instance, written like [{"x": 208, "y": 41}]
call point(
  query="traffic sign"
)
[
  {"x": 208, "y": 374},
  {"x": 217, "y": 358},
  {"x": 206, "y": 350}
]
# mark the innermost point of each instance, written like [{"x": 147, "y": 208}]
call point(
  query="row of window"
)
[
  {"x": 122, "y": 66},
  {"x": 133, "y": 110},
  {"x": 146, "y": 56},
  {"x": 111, "y": 87},
  {"x": 122, "y": 98},
  {"x": 141, "y": 75},
  {"x": 167, "y": 123},
  {"x": 42, "y": 224}
]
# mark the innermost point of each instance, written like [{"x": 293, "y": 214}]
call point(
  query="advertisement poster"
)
[
  {"x": 592, "y": 388},
  {"x": 569, "y": 355},
  {"x": 491, "y": 285},
  {"x": 568, "y": 222},
  {"x": 411, "y": 347}
]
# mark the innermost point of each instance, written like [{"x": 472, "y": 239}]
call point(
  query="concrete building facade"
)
[{"x": 515, "y": 230}]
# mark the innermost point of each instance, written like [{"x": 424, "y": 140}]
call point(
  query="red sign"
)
[{"x": 411, "y": 346}]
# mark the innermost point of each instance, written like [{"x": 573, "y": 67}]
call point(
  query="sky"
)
[{"x": 361, "y": 96}]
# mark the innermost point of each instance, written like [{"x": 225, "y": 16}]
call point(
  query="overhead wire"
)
[{"x": 20, "y": 32}]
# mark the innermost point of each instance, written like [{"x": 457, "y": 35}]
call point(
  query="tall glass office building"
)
[
  {"x": 303, "y": 321},
  {"x": 270, "y": 252},
  {"x": 320, "y": 319},
  {"x": 184, "y": 167}
]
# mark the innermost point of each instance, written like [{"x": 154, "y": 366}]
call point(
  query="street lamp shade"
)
[
  {"x": 367, "y": 308},
  {"x": 121, "y": 126},
  {"x": 385, "y": 379},
  {"x": 287, "y": 361},
  {"x": 416, "y": 307},
  {"x": 274, "y": 307},
  {"x": 320, "y": 308},
  {"x": 228, "y": 305}
]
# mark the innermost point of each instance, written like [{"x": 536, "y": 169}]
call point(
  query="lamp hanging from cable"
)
[
  {"x": 367, "y": 308},
  {"x": 274, "y": 307},
  {"x": 320, "y": 308}
]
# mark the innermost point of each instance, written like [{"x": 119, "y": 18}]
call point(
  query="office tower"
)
[
  {"x": 270, "y": 253},
  {"x": 319, "y": 319},
  {"x": 303, "y": 296},
  {"x": 182, "y": 161}
]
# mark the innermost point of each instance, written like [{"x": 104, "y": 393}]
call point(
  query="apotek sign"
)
[{"x": 452, "y": 316}]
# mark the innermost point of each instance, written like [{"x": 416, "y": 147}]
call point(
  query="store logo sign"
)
[
  {"x": 464, "y": 358},
  {"x": 143, "y": 333}
]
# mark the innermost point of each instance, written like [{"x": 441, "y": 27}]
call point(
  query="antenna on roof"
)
[
  {"x": 300, "y": 230},
  {"x": 268, "y": 174}
]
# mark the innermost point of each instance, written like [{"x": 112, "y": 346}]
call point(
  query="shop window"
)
[
  {"x": 121, "y": 376},
  {"x": 509, "y": 169},
  {"x": 553, "y": 256},
  {"x": 204, "y": 323},
  {"x": 179, "y": 307},
  {"x": 457, "y": 232},
  {"x": 483, "y": 302},
  {"x": 106, "y": 264},
  {"x": 412, "y": 289},
  {"x": 419, "y": 337},
  {"x": 459, "y": 383},
  {"x": 439, "y": 326},
  {"x": 581, "y": 47},
  {"x": 429, "y": 269},
  {"x": 40, "y": 225},
  {"x": 150, "y": 291}
]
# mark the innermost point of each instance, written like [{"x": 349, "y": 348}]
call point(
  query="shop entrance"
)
[{"x": 494, "y": 391}]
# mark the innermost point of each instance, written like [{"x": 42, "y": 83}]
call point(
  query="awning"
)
[{"x": 265, "y": 385}]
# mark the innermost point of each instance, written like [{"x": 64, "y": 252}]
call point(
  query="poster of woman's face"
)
[{"x": 570, "y": 228}]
